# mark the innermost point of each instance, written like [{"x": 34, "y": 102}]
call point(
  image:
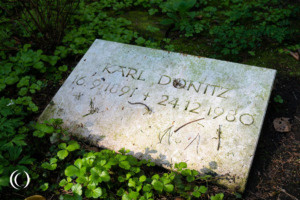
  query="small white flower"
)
[{"x": 11, "y": 103}]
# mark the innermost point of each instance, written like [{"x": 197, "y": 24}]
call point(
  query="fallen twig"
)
[
  {"x": 285, "y": 192},
  {"x": 149, "y": 109},
  {"x": 219, "y": 137},
  {"x": 191, "y": 142},
  {"x": 294, "y": 54},
  {"x": 187, "y": 124}
]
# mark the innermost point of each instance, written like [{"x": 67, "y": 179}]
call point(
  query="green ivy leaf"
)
[
  {"x": 77, "y": 189},
  {"x": 62, "y": 154},
  {"x": 196, "y": 194},
  {"x": 131, "y": 183},
  {"x": 24, "y": 82},
  {"x": 190, "y": 178},
  {"x": 68, "y": 186},
  {"x": 202, "y": 189},
  {"x": 105, "y": 176},
  {"x": 78, "y": 163},
  {"x": 125, "y": 197},
  {"x": 50, "y": 166},
  {"x": 97, "y": 175},
  {"x": 155, "y": 176},
  {"x": 95, "y": 193},
  {"x": 63, "y": 68},
  {"x": 23, "y": 91},
  {"x": 52, "y": 60},
  {"x": 180, "y": 166},
  {"x": 39, "y": 134},
  {"x": 102, "y": 162},
  {"x": 147, "y": 188},
  {"x": 61, "y": 51},
  {"x": 186, "y": 172},
  {"x": 121, "y": 179},
  {"x": 71, "y": 171},
  {"x": 63, "y": 182},
  {"x": 39, "y": 65},
  {"x": 124, "y": 165},
  {"x": 140, "y": 41},
  {"x": 62, "y": 146},
  {"x": 82, "y": 179},
  {"x": 133, "y": 195},
  {"x": 44, "y": 187},
  {"x": 169, "y": 187},
  {"x": 73, "y": 145},
  {"x": 26, "y": 47},
  {"x": 142, "y": 178},
  {"x": 44, "y": 128},
  {"x": 194, "y": 172},
  {"x": 157, "y": 185},
  {"x": 219, "y": 196},
  {"x": 53, "y": 160},
  {"x": 12, "y": 79}
]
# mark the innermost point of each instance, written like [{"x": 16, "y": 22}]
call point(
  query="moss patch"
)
[
  {"x": 141, "y": 20},
  {"x": 285, "y": 64},
  {"x": 193, "y": 46}
]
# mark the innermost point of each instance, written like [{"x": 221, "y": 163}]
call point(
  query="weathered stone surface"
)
[{"x": 169, "y": 107}]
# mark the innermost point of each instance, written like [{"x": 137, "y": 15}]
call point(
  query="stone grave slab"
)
[{"x": 168, "y": 107}]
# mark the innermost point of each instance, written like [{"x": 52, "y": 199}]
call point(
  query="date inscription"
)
[{"x": 190, "y": 106}]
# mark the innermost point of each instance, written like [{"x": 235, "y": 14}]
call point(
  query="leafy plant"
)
[
  {"x": 12, "y": 141},
  {"x": 49, "y": 18},
  {"x": 278, "y": 99},
  {"x": 244, "y": 26},
  {"x": 219, "y": 196},
  {"x": 180, "y": 16},
  {"x": 104, "y": 174}
]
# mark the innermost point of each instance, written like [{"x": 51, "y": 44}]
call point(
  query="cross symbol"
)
[{"x": 146, "y": 96}]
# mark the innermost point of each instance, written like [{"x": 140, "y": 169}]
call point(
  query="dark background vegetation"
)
[{"x": 42, "y": 41}]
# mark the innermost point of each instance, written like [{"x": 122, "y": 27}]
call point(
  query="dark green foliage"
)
[
  {"x": 12, "y": 140},
  {"x": 278, "y": 99},
  {"x": 53, "y": 34},
  {"x": 46, "y": 20},
  {"x": 180, "y": 16},
  {"x": 106, "y": 174},
  {"x": 95, "y": 24},
  {"x": 235, "y": 26},
  {"x": 245, "y": 26}
]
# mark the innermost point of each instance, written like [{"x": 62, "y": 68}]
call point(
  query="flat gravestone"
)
[{"x": 169, "y": 107}]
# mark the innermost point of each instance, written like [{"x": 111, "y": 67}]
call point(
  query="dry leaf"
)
[
  {"x": 294, "y": 54},
  {"x": 199, "y": 17},
  {"x": 92, "y": 148},
  {"x": 36, "y": 197},
  {"x": 297, "y": 118},
  {"x": 282, "y": 124}
]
